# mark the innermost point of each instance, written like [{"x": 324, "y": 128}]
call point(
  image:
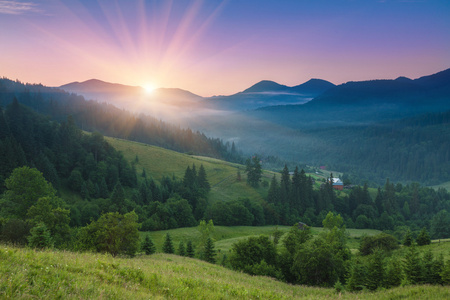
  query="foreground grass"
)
[{"x": 48, "y": 274}]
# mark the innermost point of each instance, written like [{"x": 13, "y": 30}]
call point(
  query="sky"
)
[{"x": 214, "y": 47}]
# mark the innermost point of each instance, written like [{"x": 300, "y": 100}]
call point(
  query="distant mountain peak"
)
[
  {"x": 313, "y": 86},
  {"x": 266, "y": 86}
]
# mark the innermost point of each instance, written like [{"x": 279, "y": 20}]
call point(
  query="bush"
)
[
  {"x": 40, "y": 237},
  {"x": 382, "y": 241},
  {"x": 113, "y": 233},
  {"x": 15, "y": 231}
]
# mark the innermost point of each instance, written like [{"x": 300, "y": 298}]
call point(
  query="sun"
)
[{"x": 149, "y": 88}]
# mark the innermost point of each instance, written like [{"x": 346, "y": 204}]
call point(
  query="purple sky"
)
[{"x": 222, "y": 47}]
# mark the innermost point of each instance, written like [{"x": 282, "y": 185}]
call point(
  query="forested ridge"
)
[
  {"x": 111, "y": 121},
  {"x": 415, "y": 149}
]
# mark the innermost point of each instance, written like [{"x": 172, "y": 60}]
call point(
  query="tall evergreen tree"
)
[
  {"x": 423, "y": 238},
  {"x": 190, "y": 251},
  {"x": 408, "y": 240},
  {"x": 203, "y": 180},
  {"x": 376, "y": 272},
  {"x": 412, "y": 265},
  {"x": 148, "y": 246},
  {"x": 118, "y": 197},
  {"x": 181, "y": 249},
  {"x": 285, "y": 185},
  {"x": 209, "y": 253},
  {"x": 168, "y": 245},
  {"x": 253, "y": 170}
]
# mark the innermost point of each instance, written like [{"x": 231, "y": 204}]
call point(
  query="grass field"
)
[
  {"x": 222, "y": 176},
  {"x": 445, "y": 185},
  {"x": 224, "y": 236},
  {"x": 27, "y": 274}
]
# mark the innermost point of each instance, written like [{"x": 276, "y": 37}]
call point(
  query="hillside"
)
[
  {"x": 159, "y": 162},
  {"x": 59, "y": 274}
]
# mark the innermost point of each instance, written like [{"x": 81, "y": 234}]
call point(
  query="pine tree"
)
[
  {"x": 209, "y": 253},
  {"x": 181, "y": 250},
  {"x": 408, "y": 240},
  {"x": 148, "y": 246},
  {"x": 202, "y": 179},
  {"x": 190, "y": 251},
  {"x": 285, "y": 185},
  {"x": 394, "y": 274},
  {"x": 445, "y": 273},
  {"x": 423, "y": 238},
  {"x": 358, "y": 274},
  {"x": 375, "y": 270},
  {"x": 118, "y": 196},
  {"x": 253, "y": 170},
  {"x": 412, "y": 265},
  {"x": 168, "y": 245}
]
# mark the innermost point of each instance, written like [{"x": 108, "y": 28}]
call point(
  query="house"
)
[
  {"x": 338, "y": 184},
  {"x": 302, "y": 226}
]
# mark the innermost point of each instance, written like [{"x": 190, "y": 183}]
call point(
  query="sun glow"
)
[{"x": 149, "y": 88}]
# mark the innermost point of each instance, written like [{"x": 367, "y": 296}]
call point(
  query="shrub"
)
[{"x": 382, "y": 241}]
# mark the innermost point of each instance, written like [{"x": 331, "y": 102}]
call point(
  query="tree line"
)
[{"x": 326, "y": 260}]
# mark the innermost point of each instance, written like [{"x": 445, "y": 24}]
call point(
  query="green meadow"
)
[
  {"x": 222, "y": 176},
  {"x": 47, "y": 274}
]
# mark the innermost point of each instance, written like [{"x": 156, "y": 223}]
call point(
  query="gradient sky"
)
[{"x": 216, "y": 47}]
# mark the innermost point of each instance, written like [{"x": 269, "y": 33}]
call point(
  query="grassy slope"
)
[
  {"x": 65, "y": 275},
  {"x": 225, "y": 236},
  {"x": 222, "y": 176},
  {"x": 445, "y": 185}
]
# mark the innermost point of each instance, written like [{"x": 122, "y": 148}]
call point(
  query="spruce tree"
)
[
  {"x": 253, "y": 170},
  {"x": 190, "y": 251},
  {"x": 202, "y": 180},
  {"x": 168, "y": 245},
  {"x": 423, "y": 238},
  {"x": 375, "y": 270},
  {"x": 209, "y": 253},
  {"x": 118, "y": 196},
  {"x": 358, "y": 275},
  {"x": 445, "y": 273},
  {"x": 394, "y": 274},
  {"x": 408, "y": 240},
  {"x": 181, "y": 249},
  {"x": 412, "y": 265},
  {"x": 148, "y": 246}
]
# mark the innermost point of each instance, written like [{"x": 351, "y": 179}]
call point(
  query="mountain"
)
[
  {"x": 266, "y": 86},
  {"x": 168, "y": 104},
  {"x": 366, "y": 102},
  {"x": 313, "y": 86},
  {"x": 122, "y": 94},
  {"x": 268, "y": 93}
]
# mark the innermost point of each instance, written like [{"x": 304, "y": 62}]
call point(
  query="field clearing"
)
[
  {"x": 225, "y": 236},
  {"x": 50, "y": 274},
  {"x": 445, "y": 185},
  {"x": 222, "y": 176}
]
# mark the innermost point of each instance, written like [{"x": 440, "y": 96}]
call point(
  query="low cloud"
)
[{"x": 8, "y": 7}]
